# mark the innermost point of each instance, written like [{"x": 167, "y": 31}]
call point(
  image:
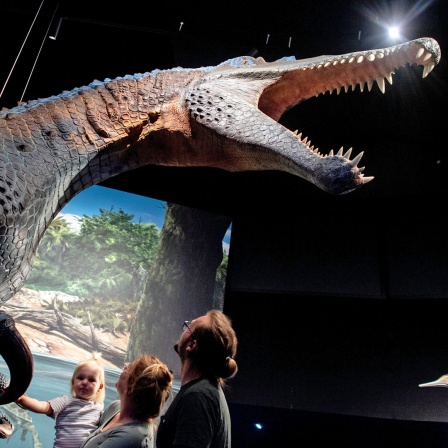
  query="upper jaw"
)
[{"x": 304, "y": 79}]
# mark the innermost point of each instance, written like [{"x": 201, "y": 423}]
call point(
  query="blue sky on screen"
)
[
  {"x": 144, "y": 209},
  {"x": 89, "y": 202}
]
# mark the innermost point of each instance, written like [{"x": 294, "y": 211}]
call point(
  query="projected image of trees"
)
[
  {"x": 110, "y": 283},
  {"x": 101, "y": 262}
]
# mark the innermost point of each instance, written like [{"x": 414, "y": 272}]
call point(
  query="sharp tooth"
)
[
  {"x": 367, "y": 179},
  {"x": 389, "y": 78},
  {"x": 305, "y": 140},
  {"x": 331, "y": 153},
  {"x": 342, "y": 61},
  {"x": 371, "y": 57},
  {"x": 420, "y": 52},
  {"x": 351, "y": 60},
  {"x": 380, "y": 82},
  {"x": 346, "y": 88},
  {"x": 360, "y": 59},
  {"x": 335, "y": 62},
  {"x": 355, "y": 161},
  {"x": 362, "y": 169},
  {"x": 369, "y": 85},
  {"x": 427, "y": 57},
  {"x": 361, "y": 86},
  {"x": 427, "y": 69},
  {"x": 353, "y": 87},
  {"x": 295, "y": 132},
  {"x": 338, "y": 90},
  {"x": 340, "y": 151},
  {"x": 300, "y": 136},
  {"x": 327, "y": 64},
  {"x": 347, "y": 154}
]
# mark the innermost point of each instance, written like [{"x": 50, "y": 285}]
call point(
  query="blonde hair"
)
[
  {"x": 95, "y": 362},
  {"x": 150, "y": 382}
]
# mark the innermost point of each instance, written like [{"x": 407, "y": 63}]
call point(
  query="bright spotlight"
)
[
  {"x": 394, "y": 32},
  {"x": 258, "y": 426}
]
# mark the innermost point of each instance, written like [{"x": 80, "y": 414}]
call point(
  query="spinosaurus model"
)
[{"x": 224, "y": 117}]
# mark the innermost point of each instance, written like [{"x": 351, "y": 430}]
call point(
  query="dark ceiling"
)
[{"x": 402, "y": 132}]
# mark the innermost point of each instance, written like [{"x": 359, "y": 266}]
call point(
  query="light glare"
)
[{"x": 394, "y": 32}]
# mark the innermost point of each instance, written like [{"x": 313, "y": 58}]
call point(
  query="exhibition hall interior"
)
[{"x": 339, "y": 302}]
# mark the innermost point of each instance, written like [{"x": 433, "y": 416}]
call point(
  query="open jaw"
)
[{"x": 335, "y": 172}]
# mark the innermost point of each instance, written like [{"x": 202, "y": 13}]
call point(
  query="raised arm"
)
[{"x": 31, "y": 404}]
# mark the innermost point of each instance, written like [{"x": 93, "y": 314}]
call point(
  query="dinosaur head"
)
[{"x": 243, "y": 99}]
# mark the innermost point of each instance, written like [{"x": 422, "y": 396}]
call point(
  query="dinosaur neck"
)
[
  {"x": 53, "y": 149},
  {"x": 89, "y": 134}
]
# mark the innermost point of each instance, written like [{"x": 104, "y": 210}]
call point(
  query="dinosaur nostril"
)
[{"x": 25, "y": 148}]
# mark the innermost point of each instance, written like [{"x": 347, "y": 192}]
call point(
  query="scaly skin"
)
[{"x": 223, "y": 117}]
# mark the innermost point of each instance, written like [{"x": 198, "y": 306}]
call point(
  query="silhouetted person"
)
[{"x": 199, "y": 416}]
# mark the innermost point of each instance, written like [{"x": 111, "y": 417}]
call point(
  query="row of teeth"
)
[
  {"x": 341, "y": 153},
  {"x": 427, "y": 69},
  {"x": 425, "y": 56},
  {"x": 346, "y": 155}
]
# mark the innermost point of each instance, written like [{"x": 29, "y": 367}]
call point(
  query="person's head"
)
[
  {"x": 146, "y": 384},
  {"x": 88, "y": 381},
  {"x": 210, "y": 343}
]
